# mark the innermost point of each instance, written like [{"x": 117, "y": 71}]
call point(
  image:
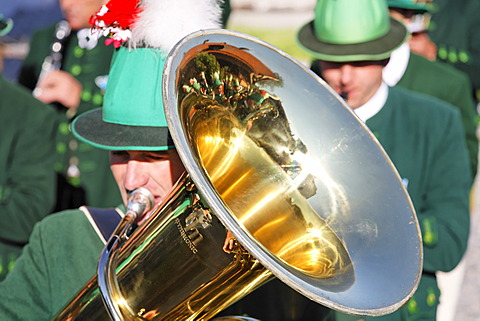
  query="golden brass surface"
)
[
  {"x": 261, "y": 195},
  {"x": 167, "y": 271}
]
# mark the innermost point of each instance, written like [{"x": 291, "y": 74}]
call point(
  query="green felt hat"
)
[
  {"x": 418, "y": 5},
  {"x": 351, "y": 30},
  {"x": 132, "y": 116}
]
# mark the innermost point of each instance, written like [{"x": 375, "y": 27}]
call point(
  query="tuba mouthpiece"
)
[{"x": 139, "y": 202}]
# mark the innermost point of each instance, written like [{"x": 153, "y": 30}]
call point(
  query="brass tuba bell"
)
[{"x": 283, "y": 180}]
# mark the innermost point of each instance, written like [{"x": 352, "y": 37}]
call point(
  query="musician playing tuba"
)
[
  {"x": 64, "y": 248},
  {"x": 67, "y": 67},
  {"x": 283, "y": 196}
]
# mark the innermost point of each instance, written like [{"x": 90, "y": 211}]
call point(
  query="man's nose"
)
[
  {"x": 135, "y": 175},
  {"x": 346, "y": 73}
]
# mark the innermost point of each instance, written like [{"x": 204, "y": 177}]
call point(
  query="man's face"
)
[
  {"x": 356, "y": 82},
  {"x": 78, "y": 12},
  {"x": 156, "y": 171},
  {"x": 415, "y": 21}
]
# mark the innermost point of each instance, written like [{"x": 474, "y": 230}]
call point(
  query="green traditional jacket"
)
[
  {"x": 27, "y": 178},
  {"x": 86, "y": 66},
  {"x": 424, "y": 139},
  {"x": 60, "y": 258},
  {"x": 454, "y": 29},
  {"x": 448, "y": 84}
]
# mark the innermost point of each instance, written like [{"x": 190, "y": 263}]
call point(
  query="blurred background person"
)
[
  {"x": 29, "y": 16},
  {"x": 454, "y": 29},
  {"x": 435, "y": 78},
  {"x": 67, "y": 67},
  {"x": 422, "y": 135},
  {"x": 452, "y": 37},
  {"x": 27, "y": 177},
  {"x": 416, "y": 16},
  {"x": 414, "y": 72}
]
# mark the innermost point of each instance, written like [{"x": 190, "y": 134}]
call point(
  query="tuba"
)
[{"x": 282, "y": 180}]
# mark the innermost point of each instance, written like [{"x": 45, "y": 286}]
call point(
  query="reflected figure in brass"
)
[{"x": 245, "y": 143}]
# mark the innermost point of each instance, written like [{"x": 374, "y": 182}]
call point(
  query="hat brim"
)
[
  {"x": 377, "y": 49},
  {"x": 90, "y": 128},
  {"x": 420, "y": 7}
]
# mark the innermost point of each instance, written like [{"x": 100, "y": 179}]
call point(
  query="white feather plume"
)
[{"x": 162, "y": 23}]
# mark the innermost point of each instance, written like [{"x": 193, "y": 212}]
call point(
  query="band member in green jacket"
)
[
  {"x": 27, "y": 178},
  {"x": 63, "y": 250},
  {"x": 67, "y": 66},
  {"x": 454, "y": 30},
  {"x": 451, "y": 36},
  {"x": 436, "y": 78},
  {"x": 417, "y": 73},
  {"x": 423, "y": 136}
]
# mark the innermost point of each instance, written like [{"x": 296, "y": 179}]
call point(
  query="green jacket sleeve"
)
[
  {"x": 463, "y": 99},
  {"x": 25, "y": 293},
  {"x": 59, "y": 259},
  {"x": 424, "y": 138},
  {"x": 455, "y": 32},
  {"x": 27, "y": 178},
  {"x": 444, "y": 213}
]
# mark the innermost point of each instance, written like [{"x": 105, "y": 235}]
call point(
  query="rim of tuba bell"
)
[{"x": 356, "y": 189}]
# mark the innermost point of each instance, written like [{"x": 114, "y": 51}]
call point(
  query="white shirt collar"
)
[
  {"x": 396, "y": 67},
  {"x": 374, "y": 105}
]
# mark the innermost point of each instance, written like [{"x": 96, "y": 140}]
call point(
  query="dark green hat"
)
[
  {"x": 132, "y": 116},
  {"x": 417, "y": 5},
  {"x": 346, "y": 30}
]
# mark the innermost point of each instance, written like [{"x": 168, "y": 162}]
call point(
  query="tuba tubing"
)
[
  {"x": 140, "y": 201},
  {"x": 178, "y": 228}
]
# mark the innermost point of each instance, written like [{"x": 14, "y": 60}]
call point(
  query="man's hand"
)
[
  {"x": 421, "y": 44},
  {"x": 59, "y": 86}
]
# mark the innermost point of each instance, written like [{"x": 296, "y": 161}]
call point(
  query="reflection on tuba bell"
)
[{"x": 282, "y": 181}]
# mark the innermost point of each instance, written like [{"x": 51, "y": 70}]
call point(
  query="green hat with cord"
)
[
  {"x": 133, "y": 116},
  {"x": 417, "y": 5},
  {"x": 346, "y": 30}
]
